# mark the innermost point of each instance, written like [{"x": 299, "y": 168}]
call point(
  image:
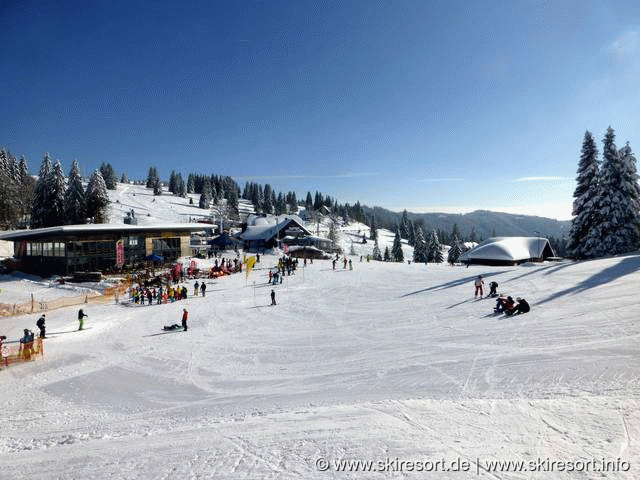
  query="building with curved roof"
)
[{"x": 508, "y": 251}]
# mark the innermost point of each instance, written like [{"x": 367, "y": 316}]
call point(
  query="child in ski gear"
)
[
  {"x": 273, "y": 297},
  {"x": 41, "y": 326},
  {"x": 81, "y": 316},
  {"x": 521, "y": 307},
  {"x": 493, "y": 289},
  {"x": 479, "y": 283},
  {"x": 185, "y": 317},
  {"x": 504, "y": 304}
]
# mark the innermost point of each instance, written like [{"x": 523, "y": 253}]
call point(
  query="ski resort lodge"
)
[
  {"x": 264, "y": 232},
  {"x": 508, "y": 251},
  {"x": 80, "y": 248}
]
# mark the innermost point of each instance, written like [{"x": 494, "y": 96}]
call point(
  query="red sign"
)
[{"x": 119, "y": 252}]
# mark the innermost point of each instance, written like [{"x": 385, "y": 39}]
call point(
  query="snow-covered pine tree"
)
[
  {"x": 373, "y": 229},
  {"x": 190, "y": 184},
  {"x": 151, "y": 177},
  {"x": 9, "y": 192},
  {"x": 57, "y": 188},
  {"x": 404, "y": 225},
  {"x": 205, "y": 196},
  {"x": 434, "y": 249},
  {"x": 42, "y": 197},
  {"x": 376, "y": 255},
  {"x": 454, "y": 251},
  {"x": 420, "y": 248},
  {"x": 109, "y": 176},
  {"x": 157, "y": 187},
  {"x": 124, "y": 178},
  {"x": 97, "y": 199},
  {"x": 617, "y": 206},
  {"x": 333, "y": 233},
  {"x": 74, "y": 199},
  {"x": 585, "y": 198},
  {"x": 308, "y": 204},
  {"x": 396, "y": 250},
  {"x": 387, "y": 255}
]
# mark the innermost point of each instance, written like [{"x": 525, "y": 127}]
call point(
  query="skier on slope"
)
[
  {"x": 81, "y": 316},
  {"x": 185, "y": 317},
  {"x": 479, "y": 284}
]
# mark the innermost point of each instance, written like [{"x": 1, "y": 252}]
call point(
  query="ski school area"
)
[{"x": 380, "y": 361}]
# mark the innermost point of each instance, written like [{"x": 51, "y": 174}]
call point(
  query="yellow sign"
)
[{"x": 250, "y": 262}]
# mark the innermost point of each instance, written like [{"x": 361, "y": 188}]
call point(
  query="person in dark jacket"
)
[
  {"x": 40, "y": 324},
  {"x": 81, "y": 316},
  {"x": 521, "y": 307},
  {"x": 273, "y": 297},
  {"x": 203, "y": 288}
]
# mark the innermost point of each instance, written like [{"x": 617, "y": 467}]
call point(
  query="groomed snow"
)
[{"x": 386, "y": 362}]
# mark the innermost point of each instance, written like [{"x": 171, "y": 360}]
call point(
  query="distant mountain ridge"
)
[{"x": 484, "y": 222}]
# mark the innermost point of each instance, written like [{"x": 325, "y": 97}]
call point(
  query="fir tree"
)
[
  {"x": 376, "y": 255},
  {"x": 57, "y": 188},
  {"x": 124, "y": 178},
  {"x": 190, "y": 184},
  {"x": 109, "y": 176},
  {"x": 387, "y": 255},
  {"x": 157, "y": 187},
  {"x": 373, "y": 229},
  {"x": 454, "y": 251},
  {"x": 617, "y": 207},
  {"x": 396, "y": 250},
  {"x": 584, "y": 204},
  {"x": 205, "y": 196},
  {"x": 434, "y": 249},
  {"x": 151, "y": 177},
  {"x": 74, "y": 200},
  {"x": 420, "y": 248},
  {"x": 308, "y": 204},
  {"x": 333, "y": 233},
  {"x": 97, "y": 198},
  {"x": 42, "y": 197}
]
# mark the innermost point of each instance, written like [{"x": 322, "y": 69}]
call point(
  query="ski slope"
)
[{"x": 388, "y": 362}]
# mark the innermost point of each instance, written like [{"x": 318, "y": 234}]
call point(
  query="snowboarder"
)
[
  {"x": 273, "y": 297},
  {"x": 203, "y": 288},
  {"x": 41, "y": 326},
  {"x": 81, "y": 316},
  {"x": 185, "y": 317},
  {"x": 479, "y": 283},
  {"x": 493, "y": 289}
]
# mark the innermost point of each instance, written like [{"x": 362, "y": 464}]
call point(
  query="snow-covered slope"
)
[{"x": 386, "y": 363}]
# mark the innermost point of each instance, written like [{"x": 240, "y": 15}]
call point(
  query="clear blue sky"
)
[{"x": 429, "y": 106}]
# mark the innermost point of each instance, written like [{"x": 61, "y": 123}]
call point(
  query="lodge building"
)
[{"x": 97, "y": 247}]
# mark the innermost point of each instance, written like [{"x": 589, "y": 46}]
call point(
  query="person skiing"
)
[
  {"x": 493, "y": 289},
  {"x": 185, "y": 317},
  {"x": 41, "y": 326},
  {"x": 479, "y": 283},
  {"x": 81, "y": 316},
  {"x": 203, "y": 288},
  {"x": 273, "y": 297},
  {"x": 195, "y": 289}
]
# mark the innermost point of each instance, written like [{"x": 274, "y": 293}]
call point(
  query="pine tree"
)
[
  {"x": 42, "y": 197},
  {"x": 376, "y": 255},
  {"x": 434, "y": 249},
  {"x": 333, "y": 233},
  {"x": 205, "y": 196},
  {"x": 124, "y": 178},
  {"x": 584, "y": 204},
  {"x": 617, "y": 228},
  {"x": 157, "y": 187},
  {"x": 454, "y": 251},
  {"x": 151, "y": 177},
  {"x": 420, "y": 248},
  {"x": 190, "y": 184},
  {"x": 387, "y": 255},
  {"x": 396, "y": 250},
  {"x": 74, "y": 200},
  {"x": 57, "y": 187},
  {"x": 373, "y": 229},
  {"x": 109, "y": 176},
  {"x": 97, "y": 198},
  {"x": 308, "y": 204}
]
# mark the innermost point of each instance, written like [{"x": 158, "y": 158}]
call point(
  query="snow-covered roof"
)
[
  {"x": 98, "y": 228},
  {"x": 509, "y": 250},
  {"x": 264, "y": 228}
]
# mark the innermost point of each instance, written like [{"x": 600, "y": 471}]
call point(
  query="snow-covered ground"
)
[{"x": 389, "y": 363}]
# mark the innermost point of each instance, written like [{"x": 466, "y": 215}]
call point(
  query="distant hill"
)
[{"x": 484, "y": 222}]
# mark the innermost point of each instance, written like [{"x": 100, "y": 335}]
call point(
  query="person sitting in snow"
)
[
  {"x": 521, "y": 307},
  {"x": 175, "y": 326},
  {"x": 504, "y": 304}
]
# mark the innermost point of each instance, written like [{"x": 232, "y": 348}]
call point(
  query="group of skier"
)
[{"x": 504, "y": 304}]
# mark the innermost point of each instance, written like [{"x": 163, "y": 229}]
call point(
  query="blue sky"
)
[{"x": 429, "y": 106}]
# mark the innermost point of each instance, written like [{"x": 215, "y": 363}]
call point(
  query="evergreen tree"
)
[
  {"x": 373, "y": 229},
  {"x": 74, "y": 200},
  {"x": 97, "y": 198},
  {"x": 9, "y": 189},
  {"x": 333, "y": 233},
  {"x": 205, "y": 196},
  {"x": 124, "y": 178},
  {"x": 152, "y": 177},
  {"x": 434, "y": 249},
  {"x": 584, "y": 204},
  {"x": 454, "y": 251},
  {"x": 190, "y": 184},
  {"x": 617, "y": 230},
  {"x": 42, "y": 197},
  {"x": 420, "y": 248},
  {"x": 376, "y": 255},
  {"x": 157, "y": 187},
  {"x": 455, "y": 232},
  {"x": 308, "y": 204},
  {"x": 387, "y": 255},
  {"x": 109, "y": 176},
  {"x": 57, "y": 189},
  {"x": 396, "y": 250}
]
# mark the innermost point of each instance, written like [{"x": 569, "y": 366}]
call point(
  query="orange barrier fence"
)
[
  {"x": 110, "y": 295},
  {"x": 24, "y": 353}
]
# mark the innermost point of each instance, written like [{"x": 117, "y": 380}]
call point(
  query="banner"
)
[
  {"x": 251, "y": 261},
  {"x": 119, "y": 252}
]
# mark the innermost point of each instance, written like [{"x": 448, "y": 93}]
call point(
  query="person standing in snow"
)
[
  {"x": 41, "y": 326},
  {"x": 203, "y": 288},
  {"x": 273, "y": 297},
  {"x": 479, "y": 284},
  {"x": 195, "y": 289},
  {"x": 81, "y": 316},
  {"x": 185, "y": 317}
]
